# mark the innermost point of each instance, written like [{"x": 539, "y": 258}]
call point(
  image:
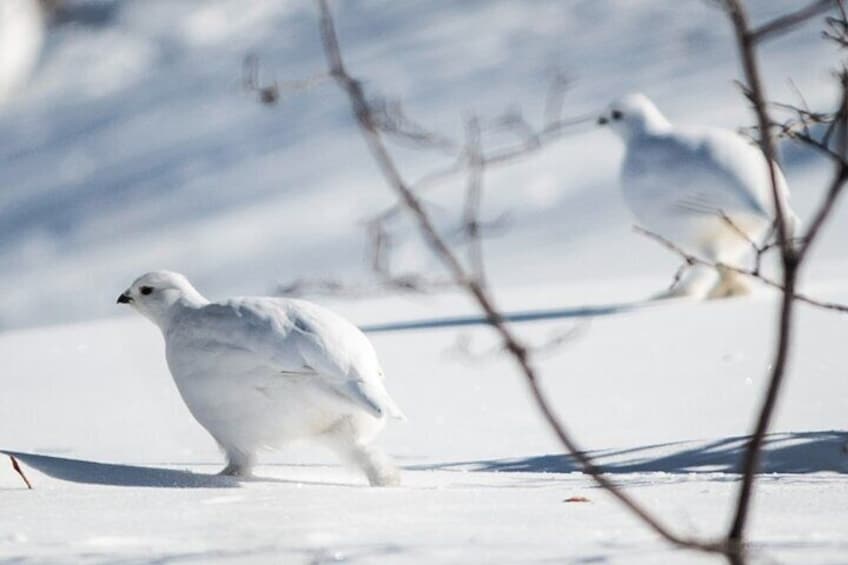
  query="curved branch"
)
[{"x": 451, "y": 262}]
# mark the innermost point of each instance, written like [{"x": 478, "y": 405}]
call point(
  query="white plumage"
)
[
  {"x": 263, "y": 372},
  {"x": 684, "y": 183},
  {"x": 21, "y": 37}
]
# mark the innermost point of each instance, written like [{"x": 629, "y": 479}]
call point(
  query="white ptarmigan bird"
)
[
  {"x": 263, "y": 372},
  {"x": 678, "y": 181}
]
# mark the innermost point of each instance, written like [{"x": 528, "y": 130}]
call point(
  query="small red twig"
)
[{"x": 20, "y": 471}]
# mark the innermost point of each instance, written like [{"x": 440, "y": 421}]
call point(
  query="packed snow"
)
[{"x": 133, "y": 146}]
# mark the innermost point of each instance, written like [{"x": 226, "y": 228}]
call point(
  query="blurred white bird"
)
[
  {"x": 21, "y": 36},
  {"x": 680, "y": 181},
  {"x": 262, "y": 372}
]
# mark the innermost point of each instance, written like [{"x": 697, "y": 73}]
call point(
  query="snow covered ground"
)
[
  {"x": 661, "y": 395},
  {"x": 134, "y": 148}
]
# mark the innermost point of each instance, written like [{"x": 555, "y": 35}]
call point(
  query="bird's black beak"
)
[
  {"x": 124, "y": 299},
  {"x": 603, "y": 120}
]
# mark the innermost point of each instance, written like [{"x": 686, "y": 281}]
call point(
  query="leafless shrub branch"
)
[
  {"x": 411, "y": 283},
  {"x": 473, "y": 200},
  {"x": 464, "y": 347},
  {"x": 20, "y": 471},
  {"x": 378, "y": 121},
  {"x": 528, "y": 141},
  {"x": 792, "y": 255},
  {"x": 782, "y": 24},
  {"x": 270, "y": 93},
  {"x": 391, "y": 118},
  {"x": 556, "y": 96},
  {"x": 691, "y": 260},
  {"x": 511, "y": 343}
]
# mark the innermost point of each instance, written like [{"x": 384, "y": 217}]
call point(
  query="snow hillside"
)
[
  {"x": 105, "y": 436},
  {"x": 134, "y": 147}
]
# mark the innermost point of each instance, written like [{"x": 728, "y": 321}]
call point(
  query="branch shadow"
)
[
  {"x": 514, "y": 317},
  {"x": 785, "y": 453}
]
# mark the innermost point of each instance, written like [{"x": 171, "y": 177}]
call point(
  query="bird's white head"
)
[
  {"x": 634, "y": 115},
  {"x": 155, "y": 294}
]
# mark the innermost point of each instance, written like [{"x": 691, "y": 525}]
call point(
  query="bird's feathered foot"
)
[
  {"x": 376, "y": 465},
  {"x": 239, "y": 464},
  {"x": 696, "y": 284},
  {"x": 233, "y": 470},
  {"x": 730, "y": 284}
]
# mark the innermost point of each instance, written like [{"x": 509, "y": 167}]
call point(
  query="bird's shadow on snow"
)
[
  {"x": 112, "y": 474},
  {"x": 95, "y": 473},
  {"x": 787, "y": 453}
]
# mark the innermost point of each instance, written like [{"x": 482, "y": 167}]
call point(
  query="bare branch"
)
[
  {"x": 755, "y": 93},
  {"x": 792, "y": 256},
  {"x": 463, "y": 349},
  {"x": 530, "y": 142},
  {"x": 473, "y": 201},
  {"x": 784, "y": 23},
  {"x": 512, "y": 344},
  {"x": 837, "y": 27},
  {"x": 739, "y": 231},
  {"x": 271, "y": 93},
  {"x": 20, "y": 471},
  {"x": 391, "y": 118},
  {"x": 840, "y": 175},
  {"x": 690, "y": 259},
  {"x": 411, "y": 283},
  {"x": 556, "y": 97}
]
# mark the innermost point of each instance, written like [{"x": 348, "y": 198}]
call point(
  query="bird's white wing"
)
[
  {"x": 703, "y": 171},
  {"x": 297, "y": 337}
]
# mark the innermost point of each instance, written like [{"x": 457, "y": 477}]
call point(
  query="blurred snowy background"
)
[{"x": 133, "y": 145}]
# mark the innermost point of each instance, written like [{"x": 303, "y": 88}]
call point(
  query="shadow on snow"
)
[
  {"x": 95, "y": 473},
  {"x": 789, "y": 453},
  {"x": 514, "y": 317}
]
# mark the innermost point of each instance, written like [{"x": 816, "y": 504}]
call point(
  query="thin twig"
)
[
  {"x": 840, "y": 175},
  {"x": 20, "y": 471},
  {"x": 754, "y": 87},
  {"x": 473, "y": 201},
  {"x": 691, "y": 259},
  {"x": 556, "y": 97},
  {"x": 271, "y": 93},
  {"x": 531, "y": 142},
  {"x": 392, "y": 120},
  {"x": 784, "y": 23}
]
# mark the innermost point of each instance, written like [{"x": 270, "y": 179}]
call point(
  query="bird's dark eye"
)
[
  {"x": 616, "y": 115},
  {"x": 145, "y": 290}
]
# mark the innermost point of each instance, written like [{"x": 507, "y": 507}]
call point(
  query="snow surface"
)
[
  {"x": 135, "y": 148},
  {"x": 661, "y": 395}
]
